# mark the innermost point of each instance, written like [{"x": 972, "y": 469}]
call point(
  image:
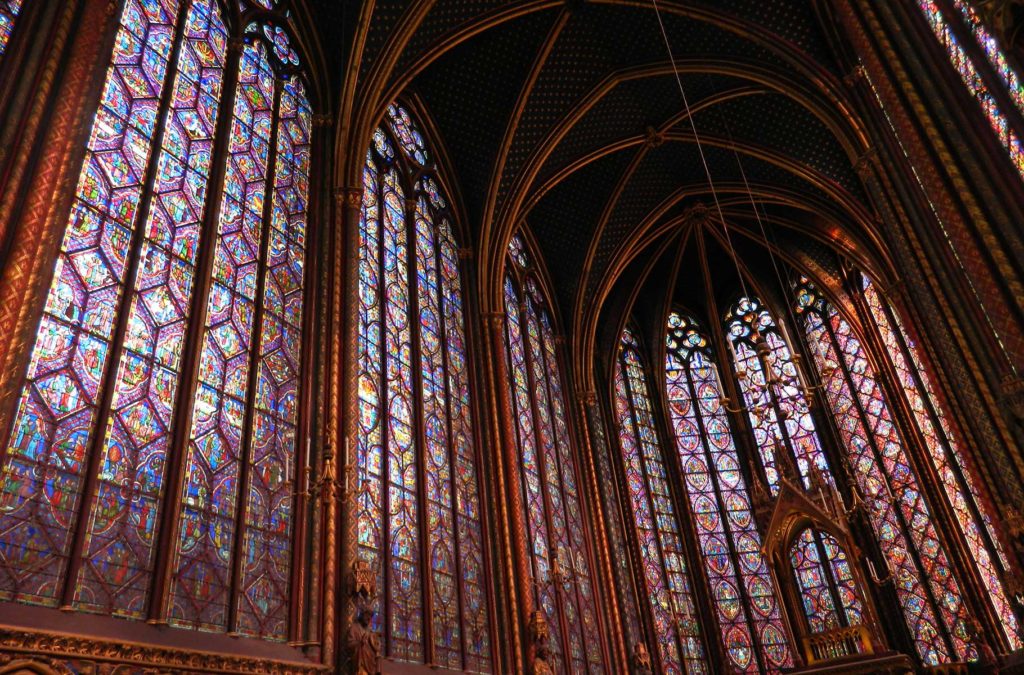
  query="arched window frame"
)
[
  {"x": 707, "y": 404},
  {"x": 414, "y": 168},
  {"x": 938, "y": 441},
  {"x": 679, "y": 642},
  {"x": 153, "y": 604},
  {"x": 939, "y": 596},
  {"x": 527, "y": 299}
]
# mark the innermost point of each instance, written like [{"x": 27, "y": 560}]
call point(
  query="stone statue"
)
[
  {"x": 540, "y": 661},
  {"x": 641, "y": 660},
  {"x": 363, "y": 645}
]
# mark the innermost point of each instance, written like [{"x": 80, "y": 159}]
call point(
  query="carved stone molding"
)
[{"x": 52, "y": 648}]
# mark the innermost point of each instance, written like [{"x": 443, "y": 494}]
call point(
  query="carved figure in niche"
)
[
  {"x": 364, "y": 581},
  {"x": 641, "y": 660},
  {"x": 540, "y": 661},
  {"x": 539, "y": 635},
  {"x": 363, "y": 645}
]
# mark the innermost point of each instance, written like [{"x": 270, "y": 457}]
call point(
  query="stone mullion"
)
[
  {"x": 618, "y": 652},
  {"x": 309, "y": 376}
]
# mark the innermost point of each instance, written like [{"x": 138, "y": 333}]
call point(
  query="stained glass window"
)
[
  {"x": 559, "y": 561},
  {"x": 663, "y": 557},
  {"x": 770, "y": 385},
  {"x": 943, "y": 28},
  {"x": 927, "y": 588},
  {"x": 827, "y": 588},
  {"x": 418, "y": 510},
  {"x": 944, "y": 449},
  {"x": 8, "y": 13},
  {"x": 741, "y": 586},
  {"x": 100, "y": 419}
]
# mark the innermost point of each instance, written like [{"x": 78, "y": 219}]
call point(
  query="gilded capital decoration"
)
[{"x": 348, "y": 197}]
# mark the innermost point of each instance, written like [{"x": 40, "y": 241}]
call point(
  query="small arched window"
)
[
  {"x": 418, "y": 510},
  {"x": 161, "y": 399},
  {"x": 927, "y": 587},
  {"x": 741, "y": 586},
  {"x": 827, "y": 587},
  {"x": 560, "y": 562}
]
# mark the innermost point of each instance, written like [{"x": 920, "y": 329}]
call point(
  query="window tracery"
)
[
  {"x": 418, "y": 511},
  {"x": 741, "y": 587},
  {"x": 559, "y": 559},
  {"x": 926, "y": 585},
  {"x": 944, "y": 449},
  {"x": 103, "y": 412}
]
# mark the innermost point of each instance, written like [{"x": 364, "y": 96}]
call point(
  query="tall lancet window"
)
[
  {"x": 944, "y": 449},
  {"x": 168, "y": 282},
  {"x": 418, "y": 510},
  {"x": 8, "y": 13},
  {"x": 741, "y": 586},
  {"x": 955, "y": 21},
  {"x": 563, "y": 590},
  {"x": 928, "y": 590},
  {"x": 770, "y": 385},
  {"x": 680, "y": 646}
]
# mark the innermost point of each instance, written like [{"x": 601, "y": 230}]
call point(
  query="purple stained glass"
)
[
  {"x": 541, "y": 553},
  {"x": 410, "y": 294},
  {"x": 896, "y": 508},
  {"x": 201, "y": 588},
  {"x": 827, "y": 587},
  {"x": 972, "y": 79},
  {"x": 741, "y": 587},
  {"x": 42, "y": 468},
  {"x": 779, "y": 414},
  {"x": 663, "y": 559},
  {"x": 947, "y": 457},
  {"x": 408, "y": 136},
  {"x": 8, "y": 13},
  {"x": 263, "y": 600},
  {"x": 119, "y": 550}
]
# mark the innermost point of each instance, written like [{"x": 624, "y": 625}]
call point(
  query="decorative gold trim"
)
[{"x": 54, "y": 645}]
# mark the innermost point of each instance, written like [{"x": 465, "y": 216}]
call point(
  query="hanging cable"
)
[{"x": 700, "y": 147}]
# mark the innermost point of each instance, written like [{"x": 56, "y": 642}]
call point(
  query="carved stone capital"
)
[
  {"x": 348, "y": 197},
  {"x": 235, "y": 45},
  {"x": 321, "y": 120},
  {"x": 465, "y": 254},
  {"x": 865, "y": 163}
]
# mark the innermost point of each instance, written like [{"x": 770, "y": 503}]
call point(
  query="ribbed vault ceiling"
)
[{"x": 566, "y": 116}]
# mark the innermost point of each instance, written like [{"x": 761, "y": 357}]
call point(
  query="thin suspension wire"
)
[{"x": 700, "y": 147}]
